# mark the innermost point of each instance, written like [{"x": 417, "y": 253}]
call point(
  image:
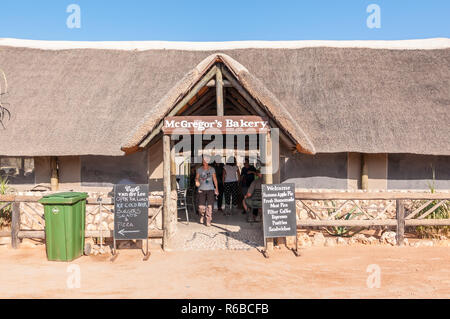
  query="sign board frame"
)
[
  {"x": 279, "y": 208},
  {"x": 137, "y": 208}
]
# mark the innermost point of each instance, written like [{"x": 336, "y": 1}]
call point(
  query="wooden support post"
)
[
  {"x": 268, "y": 177},
  {"x": 15, "y": 225},
  {"x": 400, "y": 213},
  {"x": 22, "y": 167},
  {"x": 364, "y": 172},
  {"x": 54, "y": 179},
  {"x": 167, "y": 191},
  {"x": 173, "y": 194},
  {"x": 219, "y": 92}
]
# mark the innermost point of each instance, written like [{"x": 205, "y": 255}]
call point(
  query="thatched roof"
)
[
  {"x": 273, "y": 107},
  {"x": 91, "y": 101}
]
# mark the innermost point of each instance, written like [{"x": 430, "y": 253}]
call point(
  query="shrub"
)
[{"x": 5, "y": 212}]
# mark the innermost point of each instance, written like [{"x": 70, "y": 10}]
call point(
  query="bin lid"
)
[{"x": 63, "y": 198}]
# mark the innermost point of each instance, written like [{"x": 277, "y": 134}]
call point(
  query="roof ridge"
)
[{"x": 412, "y": 44}]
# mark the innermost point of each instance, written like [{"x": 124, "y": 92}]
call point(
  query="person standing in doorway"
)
[
  {"x": 247, "y": 177},
  {"x": 218, "y": 166},
  {"x": 231, "y": 177},
  {"x": 206, "y": 181}
]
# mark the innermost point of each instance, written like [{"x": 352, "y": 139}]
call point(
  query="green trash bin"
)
[{"x": 64, "y": 225}]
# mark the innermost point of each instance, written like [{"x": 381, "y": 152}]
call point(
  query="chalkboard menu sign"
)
[
  {"x": 279, "y": 216},
  {"x": 130, "y": 212}
]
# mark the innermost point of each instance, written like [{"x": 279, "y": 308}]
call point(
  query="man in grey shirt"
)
[{"x": 206, "y": 181}]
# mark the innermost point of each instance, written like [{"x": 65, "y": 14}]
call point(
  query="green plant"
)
[
  {"x": 343, "y": 231},
  {"x": 5, "y": 212},
  {"x": 442, "y": 212}
]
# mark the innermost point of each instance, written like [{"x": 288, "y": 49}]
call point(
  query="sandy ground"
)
[{"x": 337, "y": 272}]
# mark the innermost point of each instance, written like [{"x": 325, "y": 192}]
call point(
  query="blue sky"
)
[{"x": 199, "y": 20}]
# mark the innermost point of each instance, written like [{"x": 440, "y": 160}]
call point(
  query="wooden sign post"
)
[
  {"x": 279, "y": 212},
  {"x": 131, "y": 215}
]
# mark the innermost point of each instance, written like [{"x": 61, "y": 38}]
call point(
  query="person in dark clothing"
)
[
  {"x": 248, "y": 173},
  {"x": 218, "y": 166},
  {"x": 231, "y": 176}
]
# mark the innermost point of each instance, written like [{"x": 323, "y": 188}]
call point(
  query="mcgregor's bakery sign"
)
[{"x": 215, "y": 124}]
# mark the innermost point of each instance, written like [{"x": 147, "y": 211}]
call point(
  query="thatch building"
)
[{"x": 352, "y": 114}]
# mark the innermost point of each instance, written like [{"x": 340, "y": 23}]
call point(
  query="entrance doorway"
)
[
  {"x": 217, "y": 98},
  {"x": 230, "y": 228}
]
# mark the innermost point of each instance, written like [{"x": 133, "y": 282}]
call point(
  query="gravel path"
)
[{"x": 226, "y": 232}]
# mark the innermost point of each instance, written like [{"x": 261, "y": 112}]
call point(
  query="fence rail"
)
[
  {"x": 400, "y": 221},
  {"x": 370, "y": 195},
  {"x": 415, "y": 218},
  {"x": 18, "y": 234}
]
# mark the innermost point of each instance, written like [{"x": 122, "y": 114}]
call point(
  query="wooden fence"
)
[
  {"x": 17, "y": 234},
  {"x": 415, "y": 217}
]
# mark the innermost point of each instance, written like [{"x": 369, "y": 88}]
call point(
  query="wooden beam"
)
[
  {"x": 206, "y": 106},
  {"x": 427, "y": 222},
  {"x": 40, "y": 234},
  {"x": 369, "y": 223},
  {"x": 212, "y": 83},
  {"x": 364, "y": 172},
  {"x": 157, "y": 201},
  {"x": 432, "y": 209},
  {"x": 167, "y": 191},
  {"x": 205, "y": 99},
  {"x": 219, "y": 92},
  {"x": 345, "y": 222},
  {"x": 268, "y": 178},
  {"x": 400, "y": 213},
  {"x": 155, "y": 140},
  {"x": 200, "y": 84},
  {"x": 224, "y": 96},
  {"x": 369, "y": 195},
  {"x": 238, "y": 105},
  {"x": 54, "y": 179},
  {"x": 15, "y": 225}
]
